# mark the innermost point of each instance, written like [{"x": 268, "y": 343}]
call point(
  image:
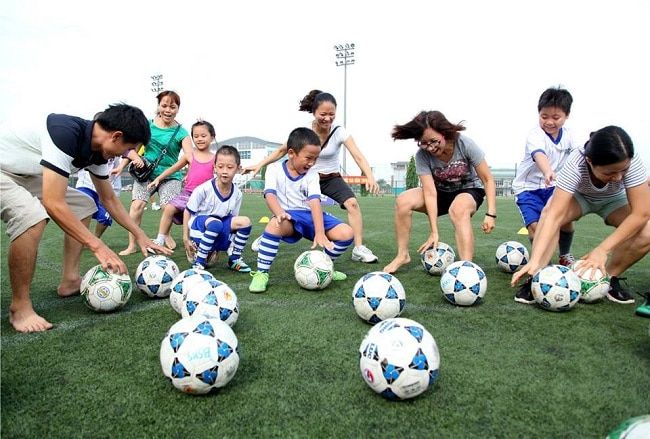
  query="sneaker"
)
[
  {"x": 239, "y": 265},
  {"x": 155, "y": 206},
  {"x": 617, "y": 293},
  {"x": 339, "y": 275},
  {"x": 255, "y": 245},
  {"x": 524, "y": 293},
  {"x": 363, "y": 254},
  {"x": 198, "y": 266},
  {"x": 259, "y": 282},
  {"x": 567, "y": 260},
  {"x": 644, "y": 310}
]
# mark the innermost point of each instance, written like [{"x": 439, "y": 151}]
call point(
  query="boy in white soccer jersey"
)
[
  {"x": 211, "y": 215},
  {"x": 292, "y": 193},
  {"x": 547, "y": 148},
  {"x": 85, "y": 184}
]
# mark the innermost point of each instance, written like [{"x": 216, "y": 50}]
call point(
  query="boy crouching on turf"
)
[
  {"x": 292, "y": 193},
  {"x": 210, "y": 216}
]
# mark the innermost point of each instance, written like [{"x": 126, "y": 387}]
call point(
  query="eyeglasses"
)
[{"x": 429, "y": 144}]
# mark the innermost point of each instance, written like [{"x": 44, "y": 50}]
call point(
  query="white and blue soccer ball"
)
[
  {"x": 511, "y": 256},
  {"x": 594, "y": 284},
  {"x": 313, "y": 270},
  {"x": 556, "y": 288},
  {"x": 104, "y": 291},
  {"x": 155, "y": 275},
  {"x": 199, "y": 354},
  {"x": 399, "y": 359},
  {"x": 435, "y": 260},
  {"x": 464, "y": 283},
  {"x": 212, "y": 299},
  {"x": 378, "y": 296},
  {"x": 183, "y": 283}
]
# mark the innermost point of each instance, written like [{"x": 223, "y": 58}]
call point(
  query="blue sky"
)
[{"x": 245, "y": 65}]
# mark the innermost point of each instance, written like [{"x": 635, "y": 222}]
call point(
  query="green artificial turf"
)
[{"x": 507, "y": 370}]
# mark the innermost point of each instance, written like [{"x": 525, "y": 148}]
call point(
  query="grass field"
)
[{"x": 507, "y": 370}]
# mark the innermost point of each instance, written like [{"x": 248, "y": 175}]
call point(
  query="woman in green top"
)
[{"x": 166, "y": 135}]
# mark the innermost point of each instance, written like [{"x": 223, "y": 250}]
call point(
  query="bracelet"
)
[{"x": 490, "y": 215}]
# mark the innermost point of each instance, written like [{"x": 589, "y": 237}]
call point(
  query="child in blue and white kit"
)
[
  {"x": 292, "y": 193},
  {"x": 212, "y": 215},
  {"x": 85, "y": 185}
]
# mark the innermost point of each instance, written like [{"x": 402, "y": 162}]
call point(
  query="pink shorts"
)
[{"x": 180, "y": 202}]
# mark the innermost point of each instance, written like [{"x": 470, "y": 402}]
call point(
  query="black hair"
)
[
  {"x": 131, "y": 121},
  {"x": 555, "y": 97},
  {"x": 313, "y": 99},
  {"x": 228, "y": 150},
  {"x": 609, "y": 145},
  {"x": 175, "y": 97},
  {"x": 301, "y": 137},
  {"x": 204, "y": 123},
  {"x": 435, "y": 120}
]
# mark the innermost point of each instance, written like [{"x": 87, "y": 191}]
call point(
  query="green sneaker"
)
[
  {"x": 339, "y": 276},
  {"x": 239, "y": 265},
  {"x": 259, "y": 282},
  {"x": 644, "y": 310}
]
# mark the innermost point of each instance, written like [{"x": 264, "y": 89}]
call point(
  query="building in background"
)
[
  {"x": 398, "y": 177},
  {"x": 252, "y": 150}
]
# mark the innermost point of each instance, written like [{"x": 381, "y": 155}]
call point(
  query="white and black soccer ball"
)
[
  {"x": 183, "y": 283},
  {"x": 511, "y": 256},
  {"x": 313, "y": 270},
  {"x": 399, "y": 359},
  {"x": 464, "y": 283},
  {"x": 594, "y": 284},
  {"x": 378, "y": 296},
  {"x": 199, "y": 354},
  {"x": 155, "y": 275},
  {"x": 556, "y": 288},
  {"x": 104, "y": 291},
  {"x": 435, "y": 260},
  {"x": 212, "y": 299}
]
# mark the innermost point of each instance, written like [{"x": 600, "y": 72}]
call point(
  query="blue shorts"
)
[
  {"x": 102, "y": 216},
  {"x": 197, "y": 229},
  {"x": 531, "y": 204},
  {"x": 303, "y": 225}
]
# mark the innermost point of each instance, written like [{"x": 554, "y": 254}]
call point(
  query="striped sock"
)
[
  {"x": 239, "y": 242},
  {"x": 338, "y": 249},
  {"x": 268, "y": 251},
  {"x": 213, "y": 227}
]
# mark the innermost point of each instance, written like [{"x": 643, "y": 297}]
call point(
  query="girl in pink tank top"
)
[{"x": 201, "y": 169}]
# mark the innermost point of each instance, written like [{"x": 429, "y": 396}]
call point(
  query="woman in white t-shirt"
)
[
  {"x": 333, "y": 137},
  {"x": 608, "y": 179}
]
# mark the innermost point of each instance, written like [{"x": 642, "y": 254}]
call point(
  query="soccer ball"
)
[
  {"x": 594, "y": 285},
  {"x": 378, "y": 296},
  {"x": 463, "y": 283},
  {"x": 199, "y": 354},
  {"x": 183, "y": 283},
  {"x": 104, "y": 291},
  {"x": 399, "y": 359},
  {"x": 212, "y": 299},
  {"x": 435, "y": 260},
  {"x": 155, "y": 275},
  {"x": 556, "y": 288},
  {"x": 633, "y": 428},
  {"x": 313, "y": 270},
  {"x": 511, "y": 256}
]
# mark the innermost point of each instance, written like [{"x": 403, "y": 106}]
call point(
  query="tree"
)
[
  {"x": 412, "y": 179},
  {"x": 384, "y": 186}
]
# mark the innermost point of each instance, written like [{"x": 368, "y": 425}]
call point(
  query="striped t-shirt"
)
[{"x": 574, "y": 177}]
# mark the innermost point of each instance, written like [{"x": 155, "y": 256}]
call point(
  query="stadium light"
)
[{"x": 345, "y": 58}]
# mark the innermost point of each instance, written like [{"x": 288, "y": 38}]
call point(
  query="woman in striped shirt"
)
[{"x": 606, "y": 178}]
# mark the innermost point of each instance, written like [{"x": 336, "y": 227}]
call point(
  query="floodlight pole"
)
[
  {"x": 157, "y": 83},
  {"x": 344, "y": 57}
]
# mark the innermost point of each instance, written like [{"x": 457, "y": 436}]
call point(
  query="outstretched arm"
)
[
  {"x": 484, "y": 173},
  {"x": 169, "y": 171},
  {"x": 430, "y": 195},
  {"x": 273, "y": 157},
  {"x": 357, "y": 155}
]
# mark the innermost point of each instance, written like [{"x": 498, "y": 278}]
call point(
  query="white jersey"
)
[
  {"x": 574, "y": 177},
  {"x": 84, "y": 180},
  {"x": 529, "y": 177},
  {"x": 293, "y": 193},
  {"x": 207, "y": 200},
  {"x": 328, "y": 159}
]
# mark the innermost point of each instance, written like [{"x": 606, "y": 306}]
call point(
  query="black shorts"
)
[
  {"x": 336, "y": 188},
  {"x": 446, "y": 198}
]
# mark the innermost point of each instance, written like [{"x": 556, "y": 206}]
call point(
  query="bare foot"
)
[
  {"x": 170, "y": 243},
  {"x": 68, "y": 288},
  {"x": 128, "y": 251},
  {"x": 26, "y": 320},
  {"x": 396, "y": 263}
]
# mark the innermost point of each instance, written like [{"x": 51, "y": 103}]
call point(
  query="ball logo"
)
[
  {"x": 103, "y": 292},
  {"x": 367, "y": 374}
]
